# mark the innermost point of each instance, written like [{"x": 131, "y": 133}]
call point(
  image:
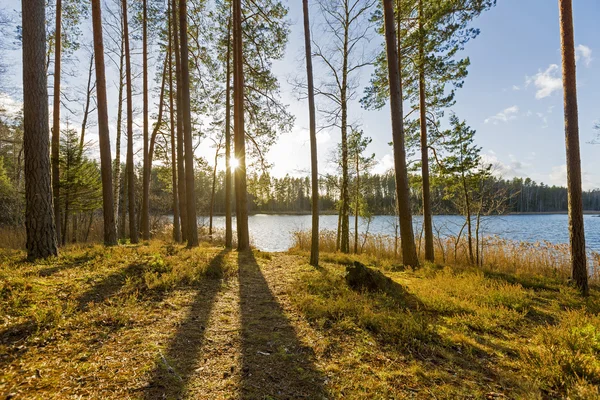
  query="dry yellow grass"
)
[
  {"x": 160, "y": 321},
  {"x": 543, "y": 259}
]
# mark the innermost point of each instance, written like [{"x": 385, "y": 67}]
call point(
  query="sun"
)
[{"x": 234, "y": 163}]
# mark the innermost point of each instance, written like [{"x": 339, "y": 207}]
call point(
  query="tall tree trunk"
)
[
  {"x": 110, "y": 233},
  {"x": 56, "y": 121},
  {"x": 86, "y": 110},
  {"x": 239, "y": 131},
  {"x": 212, "y": 193},
  {"x": 345, "y": 239},
  {"x": 314, "y": 246},
  {"x": 176, "y": 226},
  {"x": 356, "y": 207},
  {"x": 146, "y": 170},
  {"x": 192, "y": 222},
  {"x": 133, "y": 232},
  {"x": 117, "y": 169},
  {"x": 427, "y": 222},
  {"x": 39, "y": 217},
  {"x": 468, "y": 219},
  {"x": 579, "y": 272},
  {"x": 228, "y": 188},
  {"x": 159, "y": 118},
  {"x": 180, "y": 153},
  {"x": 409, "y": 252}
]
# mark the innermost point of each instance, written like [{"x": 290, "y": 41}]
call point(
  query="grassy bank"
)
[{"x": 160, "y": 321}]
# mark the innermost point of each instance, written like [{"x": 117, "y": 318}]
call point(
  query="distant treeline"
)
[{"x": 292, "y": 194}]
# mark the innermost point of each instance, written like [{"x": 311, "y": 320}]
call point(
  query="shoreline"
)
[{"x": 325, "y": 213}]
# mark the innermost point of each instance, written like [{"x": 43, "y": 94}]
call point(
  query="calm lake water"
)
[{"x": 274, "y": 232}]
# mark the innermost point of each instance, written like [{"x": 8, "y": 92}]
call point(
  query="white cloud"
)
[
  {"x": 558, "y": 177},
  {"x": 546, "y": 82},
  {"x": 509, "y": 170},
  {"x": 515, "y": 88},
  {"x": 585, "y": 53},
  {"x": 323, "y": 137},
  {"x": 9, "y": 106},
  {"x": 384, "y": 164},
  {"x": 508, "y": 114}
]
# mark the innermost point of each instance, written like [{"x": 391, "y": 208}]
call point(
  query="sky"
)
[{"x": 512, "y": 96}]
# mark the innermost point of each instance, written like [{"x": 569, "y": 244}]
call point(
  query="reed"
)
[{"x": 495, "y": 254}]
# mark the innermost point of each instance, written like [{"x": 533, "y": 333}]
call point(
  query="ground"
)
[{"x": 160, "y": 321}]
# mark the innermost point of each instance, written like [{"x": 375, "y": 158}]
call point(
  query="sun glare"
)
[{"x": 234, "y": 163}]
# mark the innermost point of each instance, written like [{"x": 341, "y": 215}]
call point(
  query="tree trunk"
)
[
  {"x": 39, "y": 217},
  {"x": 110, "y": 233},
  {"x": 56, "y": 122},
  {"x": 117, "y": 188},
  {"x": 409, "y": 252},
  {"x": 176, "y": 226},
  {"x": 314, "y": 247},
  {"x": 212, "y": 193},
  {"x": 180, "y": 156},
  {"x": 133, "y": 232},
  {"x": 345, "y": 234},
  {"x": 228, "y": 188},
  {"x": 468, "y": 218},
  {"x": 192, "y": 222},
  {"x": 427, "y": 222},
  {"x": 145, "y": 228},
  {"x": 357, "y": 195},
  {"x": 241, "y": 203},
  {"x": 579, "y": 272}
]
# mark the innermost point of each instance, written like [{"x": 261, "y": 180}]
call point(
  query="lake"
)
[{"x": 274, "y": 232}]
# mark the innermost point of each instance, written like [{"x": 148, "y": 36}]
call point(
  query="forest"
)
[{"x": 126, "y": 124}]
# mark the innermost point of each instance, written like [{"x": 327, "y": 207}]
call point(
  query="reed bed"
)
[{"x": 495, "y": 254}]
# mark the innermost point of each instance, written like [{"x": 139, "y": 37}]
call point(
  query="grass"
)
[{"x": 160, "y": 321}]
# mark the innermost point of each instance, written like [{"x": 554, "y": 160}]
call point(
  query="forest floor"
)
[{"x": 160, "y": 321}]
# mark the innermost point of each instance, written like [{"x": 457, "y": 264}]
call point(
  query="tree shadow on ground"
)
[
  {"x": 66, "y": 263},
  {"x": 174, "y": 369},
  {"x": 108, "y": 286},
  {"x": 275, "y": 364},
  {"x": 412, "y": 333}
]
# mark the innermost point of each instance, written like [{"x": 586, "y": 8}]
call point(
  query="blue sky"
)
[{"x": 512, "y": 96}]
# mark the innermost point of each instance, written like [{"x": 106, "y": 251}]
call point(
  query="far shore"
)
[{"x": 333, "y": 212}]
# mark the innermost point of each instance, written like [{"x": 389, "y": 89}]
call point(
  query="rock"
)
[{"x": 361, "y": 277}]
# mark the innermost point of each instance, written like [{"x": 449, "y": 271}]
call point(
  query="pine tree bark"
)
[
  {"x": 117, "y": 163},
  {"x": 192, "y": 222},
  {"x": 409, "y": 252},
  {"x": 145, "y": 228},
  {"x": 176, "y": 225},
  {"x": 56, "y": 121},
  {"x": 39, "y": 217},
  {"x": 228, "y": 187},
  {"x": 133, "y": 232},
  {"x": 180, "y": 151},
  {"x": 427, "y": 218},
  {"x": 110, "y": 232},
  {"x": 345, "y": 223},
  {"x": 314, "y": 246},
  {"x": 579, "y": 271},
  {"x": 356, "y": 201},
  {"x": 241, "y": 203}
]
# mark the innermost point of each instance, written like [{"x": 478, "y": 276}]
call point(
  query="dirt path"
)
[{"x": 240, "y": 339}]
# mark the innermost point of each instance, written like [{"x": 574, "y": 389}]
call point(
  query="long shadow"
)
[
  {"x": 174, "y": 369},
  {"x": 275, "y": 364},
  {"x": 108, "y": 286},
  {"x": 67, "y": 263},
  {"x": 426, "y": 346}
]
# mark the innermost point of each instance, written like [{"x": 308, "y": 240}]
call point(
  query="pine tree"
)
[
  {"x": 39, "y": 217},
  {"x": 110, "y": 234},
  {"x": 579, "y": 271}
]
